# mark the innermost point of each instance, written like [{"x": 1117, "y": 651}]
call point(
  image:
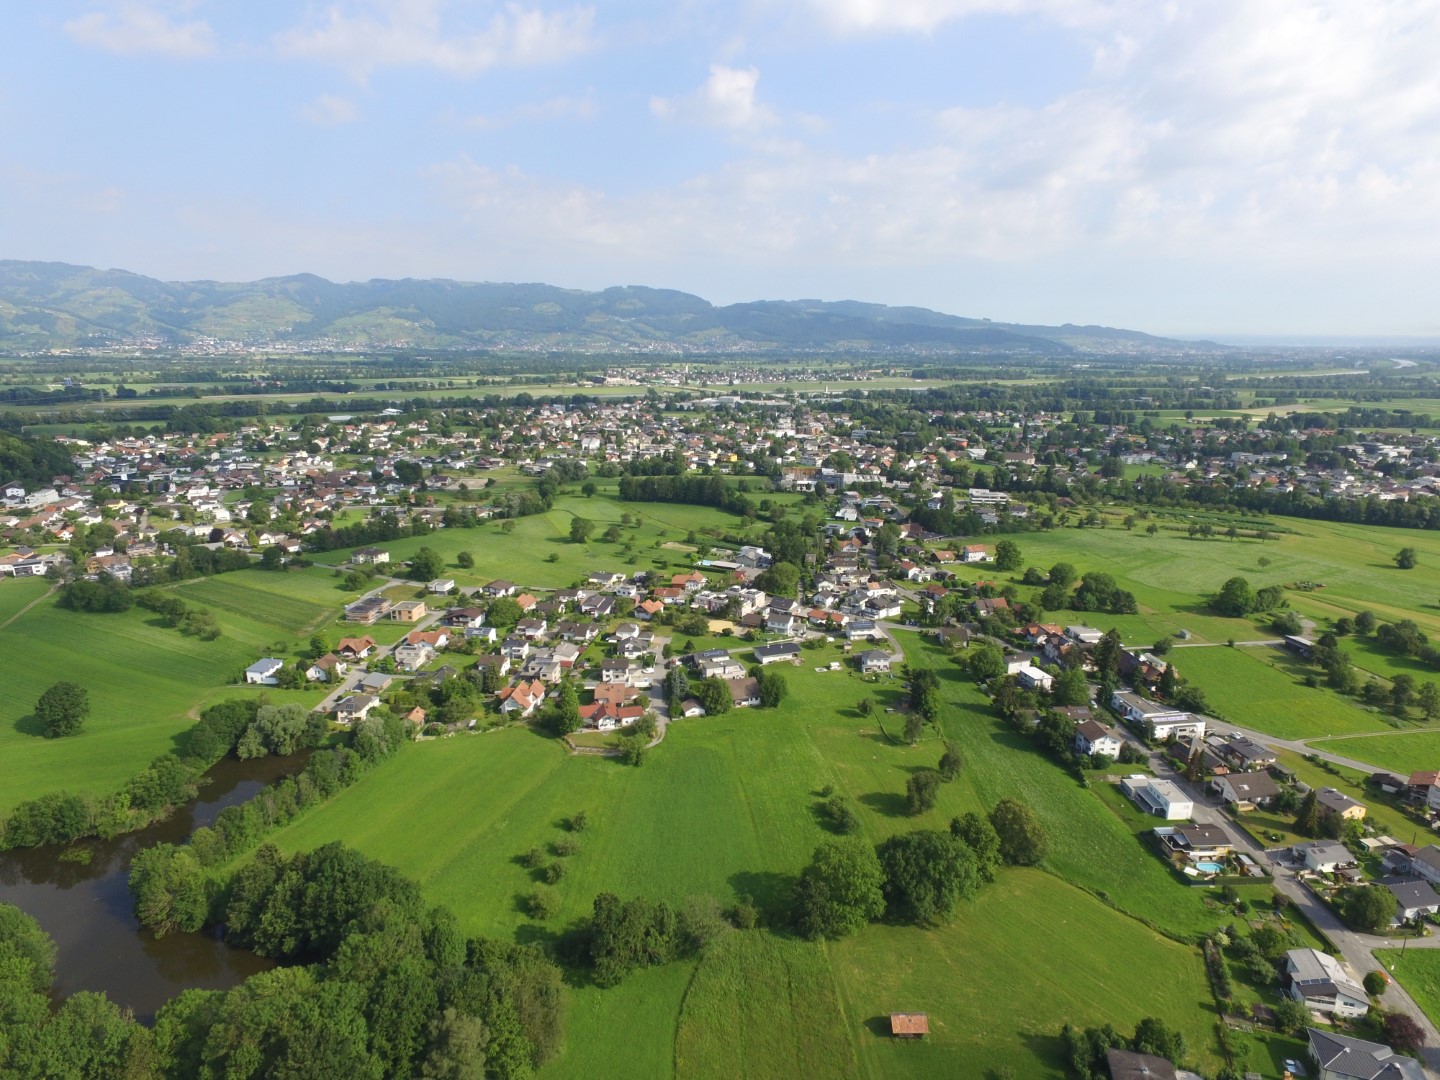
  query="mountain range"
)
[{"x": 45, "y": 305}]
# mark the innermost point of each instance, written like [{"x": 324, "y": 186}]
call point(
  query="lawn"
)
[
  {"x": 16, "y": 593},
  {"x": 725, "y": 807},
  {"x": 1419, "y": 973},
  {"x": 146, "y": 681},
  {"x": 1249, "y": 687},
  {"x": 1403, "y": 752}
]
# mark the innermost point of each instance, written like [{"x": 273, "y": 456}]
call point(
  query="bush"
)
[
  {"x": 542, "y": 904},
  {"x": 554, "y": 872},
  {"x": 921, "y": 790},
  {"x": 745, "y": 915},
  {"x": 1022, "y": 838},
  {"x": 1375, "y": 983},
  {"x": 533, "y": 859},
  {"x": 566, "y": 847},
  {"x": 578, "y": 822}
]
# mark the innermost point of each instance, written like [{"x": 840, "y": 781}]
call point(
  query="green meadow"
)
[
  {"x": 1419, "y": 973},
  {"x": 726, "y": 807},
  {"x": 146, "y": 681},
  {"x": 1402, "y": 753}
]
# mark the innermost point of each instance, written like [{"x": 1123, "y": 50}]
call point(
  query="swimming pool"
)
[{"x": 1210, "y": 867}]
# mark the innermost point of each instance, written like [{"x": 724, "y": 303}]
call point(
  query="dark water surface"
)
[{"x": 87, "y": 908}]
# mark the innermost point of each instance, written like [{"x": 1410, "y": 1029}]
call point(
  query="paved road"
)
[{"x": 357, "y": 672}]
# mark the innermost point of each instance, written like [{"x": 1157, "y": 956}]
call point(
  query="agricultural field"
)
[
  {"x": 1418, "y": 970},
  {"x": 1244, "y": 688},
  {"x": 726, "y": 807},
  {"x": 146, "y": 681}
]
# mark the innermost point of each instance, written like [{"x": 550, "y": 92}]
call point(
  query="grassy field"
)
[
  {"x": 146, "y": 681},
  {"x": 725, "y": 807},
  {"x": 524, "y": 555},
  {"x": 1402, "y": 753},
  {"x": 1244, "y": 688},
  {"x": 1418, "y": 970}
]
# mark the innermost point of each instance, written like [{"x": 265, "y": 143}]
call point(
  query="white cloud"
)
[
  {"x": 330, "y": 110},
  {"x": 414, "y": 33},
  {"x": 130, "y": 29},
  {"x": 924, "y": 16},
  {"x": 726, "y": 99},
  {"x": 539, "y": 112}
]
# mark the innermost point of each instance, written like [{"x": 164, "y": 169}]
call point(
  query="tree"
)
[
  {"x": 272, "y": 558},
  {"x": 465, "y": 560},
  {"x": 633, "y": 748},
  {"x": 503, "y": 611},
  {"x": 1403, "y": 1033},
  {"x": 840, "y": 891},
  {"x": 1071, "y": 688},
  {"x": 926, "y": 874},
  {"x": 1406, "y": 559},
  {"x": 1375, "y": 983},
  {"x": 781, "y": 579},
  {"x": 975, "y": 832},
  {"x": 171, "y": 889},
  {"x": 714, "y": 696},
  {"x": 1429, "y": 699},
  {"x": 1365, "y": 622},
  {"x": 985, "y": 662},
  {"x": 914, "y": 726},
  {"x": 772, "y": 688},
  {"x": 1022, "y": 838},
  {"x": 837, "y": 812},
  {"x": 1291, "y": 1016},
  {"x": 580, "y": 529},
  {"x": 1153, "y": 1037},
  {"x": 1007, "y": 556},
  {"x": 1307, "y": 818},
  {"x": 567, "y": 710},
  {"x": 1235, "y": 598},
  {"x": 1063, "y": 574},
  {"x": 1367, "y": 907},
  {"x": 62, "y": 709},
  {"x": 950, "y": 761},
  {"x": 426, "y": 565},
  {"x": 588, "y": 489},
  {"x": 921, "y": 790}
]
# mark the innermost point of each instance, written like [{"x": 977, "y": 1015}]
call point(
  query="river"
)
[{"x": 86, "y": 906}]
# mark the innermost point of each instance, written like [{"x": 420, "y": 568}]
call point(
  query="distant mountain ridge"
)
[{"x": 47, "y": 305}]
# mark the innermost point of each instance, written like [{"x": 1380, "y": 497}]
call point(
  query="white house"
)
[
  {"x": 442, "y": 585},
  {"x": 1319, "y": 983},
  {"x": 1139, "y": 711},
  {"x": 1093, "y": 737},
  {"x": 1159, "y": 797},
  {"x": 264, "y": 672},
  {"x": 355, "y": 707},
  {"x": 874, "y": 660},
  {"x": 1324, "y": 856},
  {"x": 1031, "y": 677}
]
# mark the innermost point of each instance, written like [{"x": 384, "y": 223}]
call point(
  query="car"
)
[{"x": 1294, "y": 1067}]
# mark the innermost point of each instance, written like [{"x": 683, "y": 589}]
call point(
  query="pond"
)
[{"x": 87, "y": 908}]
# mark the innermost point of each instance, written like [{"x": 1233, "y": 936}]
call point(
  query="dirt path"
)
[{"x": 48, "y": 592}]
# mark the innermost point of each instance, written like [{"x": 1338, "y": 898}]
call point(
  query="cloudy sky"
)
[{"x": 1220, "y": 167}]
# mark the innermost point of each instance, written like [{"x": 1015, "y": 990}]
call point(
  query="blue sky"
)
[{"x": 1233, "y": 166}]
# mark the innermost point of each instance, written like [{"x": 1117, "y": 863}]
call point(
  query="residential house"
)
[
  {"x": 522, "y": 698},
  {"x": 1414, "y": 898},
  {"x": 465, "y": 618},
  {"x": 499, "y": 662},
  {"x": 352, "y": 649},
  {"x": 264, "y": 672},
  {"x": 1030, "y": 677},
  {"x": 441, "y": 585},
  {"x": 498, "y": 588},
  {"x": 412, "y": 657},
  {"x": 1319, "y": 983},
  {"x": 368, "y": 610},
  {"x": 1334, "y": 803},
  {"x": 1246, "y": 789},
  {"x": 354, "y": 707},
  {"x": 408, "y": 611},
  {"x": 376, "y": 682},
  {"x": 1159, "y": 797},
  {"x": 1340, "y": 1057},
  {"x": 1093, "y": 737},
  {"x": 1195, "y": 842},
  {"x": 1133, "y": 1065},
  {"x": 973, "y": 553},
  {"x": 1424, "y": 787},
  {"x": 744, "y": 692},
  {"x": 371, "y": 556},
  {"x": 1245, "y": 755},
  {"x": 515, "y": 647},
  {"x": 1085, "y": 635},
  {"x": 328, "y": 668},
  {"x": 874, "y": 660},
  {"x": 986, "y": 607},
  {"x": 1323, "y": 856},
  {"x": 779, "y": 651},
  {"x": 1426, "y": 863},
  {"x": 532, "y": 628},
  {"x": 863, "y": 630}
]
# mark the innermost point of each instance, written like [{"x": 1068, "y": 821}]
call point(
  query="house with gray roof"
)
[
  {"x": 1319, "y": 983},
  {"x": 1342, "y": 1058}
]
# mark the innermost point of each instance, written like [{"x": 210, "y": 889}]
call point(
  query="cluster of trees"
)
[
  {"x": 695, "y": 488},
  {"x": 282, "y": 730},
  {"x": 194, "y": 622},
  {"x": 1086, "y": 1050},
  {"x": 105, "y": 594},
  {"x": 622, "y": 936},
  {"x": 1237, "y": 598},
  {"x": 31, "y": 460},
  {"x": 916, "y": 877},
  {"x": 383, "y": 985}
]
